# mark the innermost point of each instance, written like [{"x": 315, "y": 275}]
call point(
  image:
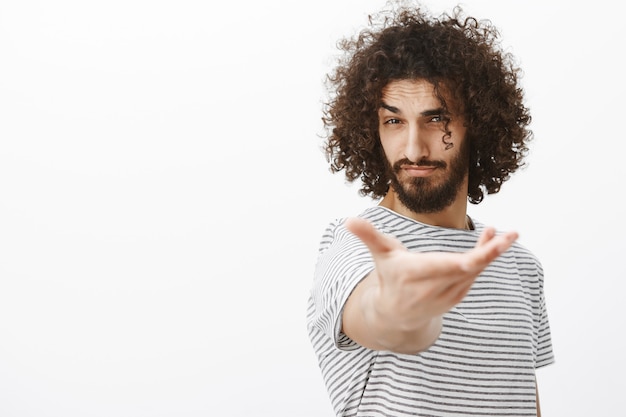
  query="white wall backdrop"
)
[{"x": 162, "y": 194}]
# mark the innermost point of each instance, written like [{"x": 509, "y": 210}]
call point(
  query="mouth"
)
[{"x": 419, "y": 170}]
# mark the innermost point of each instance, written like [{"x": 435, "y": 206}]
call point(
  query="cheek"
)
[
  {"x": 387, "y": 151},
  {"x": 459, "y": 132},
  {"x": 389, "y": 144}
]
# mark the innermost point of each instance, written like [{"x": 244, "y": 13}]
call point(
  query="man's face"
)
[{"x": 426, "y": 173}]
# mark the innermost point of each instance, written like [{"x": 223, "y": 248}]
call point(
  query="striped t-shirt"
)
[{"x": 482, "y": 364}]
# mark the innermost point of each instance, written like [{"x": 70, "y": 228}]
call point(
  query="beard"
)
[{"x": 427, "y": 194}]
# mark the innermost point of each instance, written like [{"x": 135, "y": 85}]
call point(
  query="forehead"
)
[
  {"x": 413, "y": 91},
  {"x": 409, "y": 88}
]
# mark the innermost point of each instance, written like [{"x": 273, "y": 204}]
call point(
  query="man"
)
[{"x": 417, "y": 309}]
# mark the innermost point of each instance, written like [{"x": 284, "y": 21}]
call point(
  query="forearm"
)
[
  {"x": 383, "y": 325},
  {"x": 538, "y": 405}
]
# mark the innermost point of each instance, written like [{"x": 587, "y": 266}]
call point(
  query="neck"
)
[{"x": 454, "y": 216}]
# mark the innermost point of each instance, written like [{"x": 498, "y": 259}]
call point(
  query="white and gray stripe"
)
[{"x": 483, "y": 363}]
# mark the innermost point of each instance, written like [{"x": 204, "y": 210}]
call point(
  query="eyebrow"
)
[
  {"x": 390, "y": 108},
  {"x": 425, "y": 113}
]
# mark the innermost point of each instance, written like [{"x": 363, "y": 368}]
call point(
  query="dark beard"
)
[{"x": 422, "y": 195}]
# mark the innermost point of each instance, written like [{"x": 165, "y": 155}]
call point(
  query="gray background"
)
[{"x": 162, "y": 193}]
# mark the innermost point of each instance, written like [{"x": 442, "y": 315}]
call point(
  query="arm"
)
[
  {"x": 538, "y": 407},
  {"x": 400, "y": 304}
]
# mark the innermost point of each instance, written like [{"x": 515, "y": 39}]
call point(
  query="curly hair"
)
[{"x": 457, "y": 54}]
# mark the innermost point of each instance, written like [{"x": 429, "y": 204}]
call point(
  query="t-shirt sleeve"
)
[
  {"x": 545, "y": 354},
  {"x": 343, "y": 261}
]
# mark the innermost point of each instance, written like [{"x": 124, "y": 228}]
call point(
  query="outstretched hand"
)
[{"x": 408, "y": 290}]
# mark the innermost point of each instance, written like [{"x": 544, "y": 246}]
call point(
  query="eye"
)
[
  {"x": 392, "y": 121},
  {"x": 437, "y": 119}
]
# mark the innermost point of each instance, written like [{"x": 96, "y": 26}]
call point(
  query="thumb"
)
[{"x": 376, "y": 242}]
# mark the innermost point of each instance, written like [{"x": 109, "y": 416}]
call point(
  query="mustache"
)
[{"x": 423, "y": 162}]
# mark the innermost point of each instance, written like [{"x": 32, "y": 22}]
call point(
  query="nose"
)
[{"x": 416, "y": 147}]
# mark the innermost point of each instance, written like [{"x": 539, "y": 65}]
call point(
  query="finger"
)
[
  {"x": 486, "y": 236},
  {"x": 505, "y": 240},
  {"x": 492, "y": 247},
  {"x": 375, "y": 241},
  {"x": 489, "y": 234},
  {"x": 455, "y": 293}
]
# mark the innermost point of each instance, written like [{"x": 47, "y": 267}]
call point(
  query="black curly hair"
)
[{"x": 459, "y": 55}]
